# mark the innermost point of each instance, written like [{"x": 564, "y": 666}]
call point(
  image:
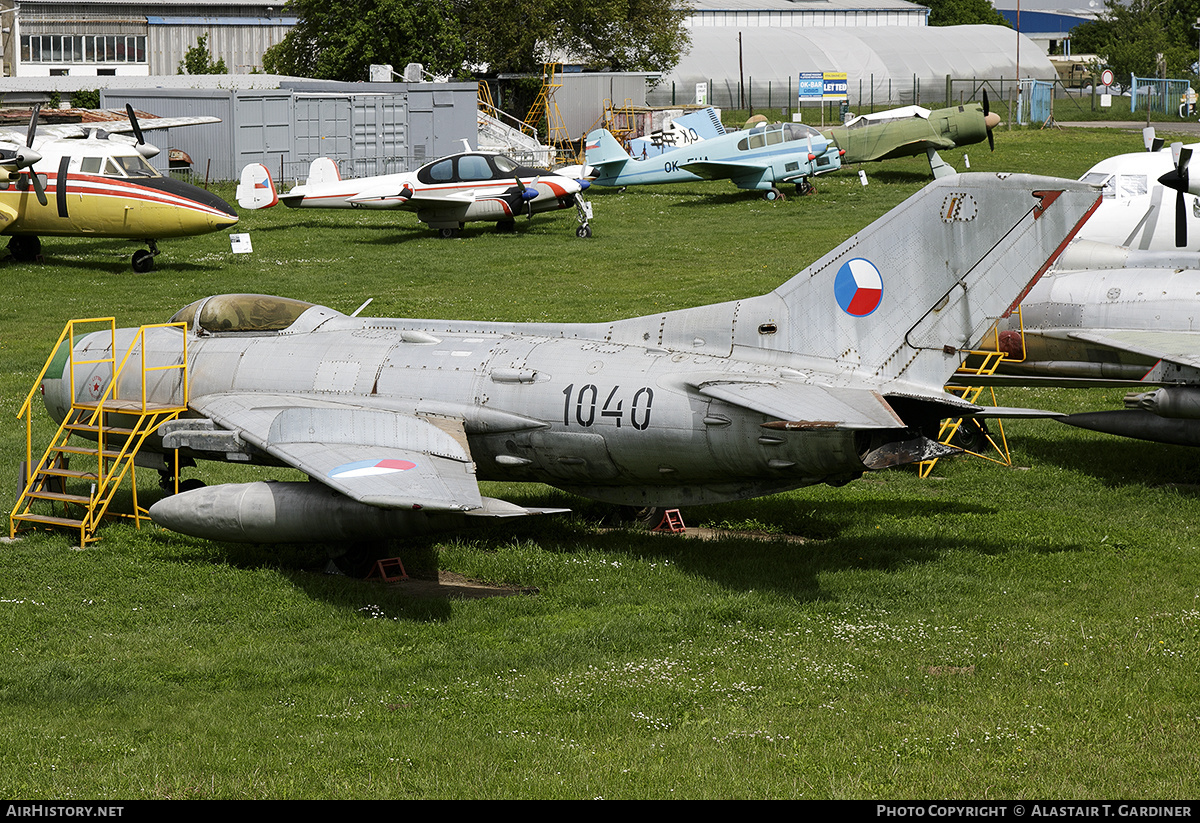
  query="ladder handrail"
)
[
  {"x": 148, "y": 418},
  {"x": 67, "y": 329},
  {"x": 26, "y": 410}
]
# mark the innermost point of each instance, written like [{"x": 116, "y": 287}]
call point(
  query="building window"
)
[{"x": 83, "y": 48}]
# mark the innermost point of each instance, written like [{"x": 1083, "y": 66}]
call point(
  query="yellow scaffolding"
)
[
  {"x": 546, "y": 110},
  {"x": 112, "y": 430}
]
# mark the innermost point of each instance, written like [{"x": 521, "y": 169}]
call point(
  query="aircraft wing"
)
[
  {"x": 716, "y": 170},
  {"x": 1175, "y": 346},
  {"x": 807, "y": 405},
  {"x": 121, "y": 126},
  {"x": 435, "y": 199},
  {"x": 380, "y": 458}
]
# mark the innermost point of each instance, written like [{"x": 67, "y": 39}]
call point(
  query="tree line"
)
[{"x": 340, "y": 40}]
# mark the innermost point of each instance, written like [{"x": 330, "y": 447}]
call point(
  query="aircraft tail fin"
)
[
  {"x": 322, "y": 170},
  {"x": 937, "y": 165},
  {"x": 256, "y": 189},
  {"x": 603, "y": 152},
  {"x": 903, "y": 299}
]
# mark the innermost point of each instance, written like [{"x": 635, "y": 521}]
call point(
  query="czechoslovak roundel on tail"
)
[{"x": 256, "y": 189}]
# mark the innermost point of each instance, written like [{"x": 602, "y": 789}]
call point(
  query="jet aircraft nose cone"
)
[{"x": 991, "y": 120}]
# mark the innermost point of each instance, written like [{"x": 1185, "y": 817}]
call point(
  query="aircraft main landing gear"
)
[
  {"x": 25, "y": 248},
  {"x": 143, "y": 259},
  {"x": 447, "y": 233},
  {"x": 773, "y": 194},
  {"x": 804, "y": 188}
]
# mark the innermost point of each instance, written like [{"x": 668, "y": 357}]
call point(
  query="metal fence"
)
[
  {"x": 1155, "y": 94},
  {"x": 1034, "y": 103}
]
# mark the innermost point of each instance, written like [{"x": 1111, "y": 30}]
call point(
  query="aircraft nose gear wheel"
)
[
  {"x": 143, "y": 260},
  {"x": 773, "y": 194},
  {"x": 583, "y": 212},
  {"x": 447, "y": 233}
]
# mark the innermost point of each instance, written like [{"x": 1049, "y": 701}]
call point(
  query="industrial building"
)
[{"x": 42, "y": 38}]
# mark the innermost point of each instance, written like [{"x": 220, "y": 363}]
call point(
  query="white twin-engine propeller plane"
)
[
  {"x": 446, "y": 193},
  {"x": 83, "y": 180},
  {"x": 839, "y": 371}
]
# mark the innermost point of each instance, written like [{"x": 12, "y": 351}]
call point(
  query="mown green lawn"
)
[{"x": 1027, "y": 631}]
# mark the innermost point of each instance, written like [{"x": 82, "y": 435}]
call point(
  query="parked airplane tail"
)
[
  {"x": 904, "y": 298},
  {"x": 322, "y": 170},
  {"x": 256, "y": 189},
  {"x": 603, "y": 152}
]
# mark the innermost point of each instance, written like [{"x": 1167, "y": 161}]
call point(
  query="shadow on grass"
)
[
  {"x": 782, "y": 544},
  {"x": 106, "y": 261},
  {"x": 310, "y": 568},
  {"x": 1117, "y": 461}
]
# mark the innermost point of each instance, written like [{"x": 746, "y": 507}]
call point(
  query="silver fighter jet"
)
[{"x": 838, "y": 371}]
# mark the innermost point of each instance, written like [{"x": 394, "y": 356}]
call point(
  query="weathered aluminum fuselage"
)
[{"x": 612, "y": 421}]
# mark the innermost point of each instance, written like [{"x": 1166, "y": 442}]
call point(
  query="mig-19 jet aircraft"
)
[
  {"x": 88, "y": 180},
  {"x": 446, "y": 193},
  {"x": 839, "y": 371}
]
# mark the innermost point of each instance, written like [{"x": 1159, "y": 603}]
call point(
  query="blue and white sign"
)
[
  {"x": 812, "y": 85},
  {"x": 823, "y": 85}
]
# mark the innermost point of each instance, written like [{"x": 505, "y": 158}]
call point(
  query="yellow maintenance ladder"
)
[
  {"x": 978, "y": 362},
  {"x": 103, "y": 435}
]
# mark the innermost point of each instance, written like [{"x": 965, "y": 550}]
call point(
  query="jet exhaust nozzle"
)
[{"x": 1179, "y": 402}]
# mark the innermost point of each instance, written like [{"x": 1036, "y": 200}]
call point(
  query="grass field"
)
[{"x": 989, "y": 632}]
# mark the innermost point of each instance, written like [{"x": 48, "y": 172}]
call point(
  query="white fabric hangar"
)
[{"x": 885, "y": 65}]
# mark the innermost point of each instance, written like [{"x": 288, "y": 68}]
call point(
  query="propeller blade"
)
[
  {"x": 33, "y": 122},
  {"x": 137, "y": 129},
  {"x": 1177, "y": 178},
  {"x": 143, "y": 148},
  {"x": 38, "y": 188},
  {"x": 990, "y": 121},
  {"x": 1180, "y": 220}
]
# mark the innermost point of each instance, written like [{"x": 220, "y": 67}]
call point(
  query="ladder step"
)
[
  {"x": 49, "y": 520},
  {"x": 86, "y": 427},
  {"x": 60, "y": 497},
  {"x": 113, "y": 405},
  {"x": 52, "y": 471},
  {"x": 107, "y": 455}
]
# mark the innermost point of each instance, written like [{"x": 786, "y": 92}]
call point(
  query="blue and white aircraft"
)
[{"x": 761, "y": 158}]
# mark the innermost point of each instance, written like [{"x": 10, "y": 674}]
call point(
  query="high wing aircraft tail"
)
[
  {"x": 256, "y": 189},
  {"x": 901, "y": 301},
  {"x": 603, "y": 152}
]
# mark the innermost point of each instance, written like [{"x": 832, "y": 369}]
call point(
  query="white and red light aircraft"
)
[{"x": 445, "y": 193}]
